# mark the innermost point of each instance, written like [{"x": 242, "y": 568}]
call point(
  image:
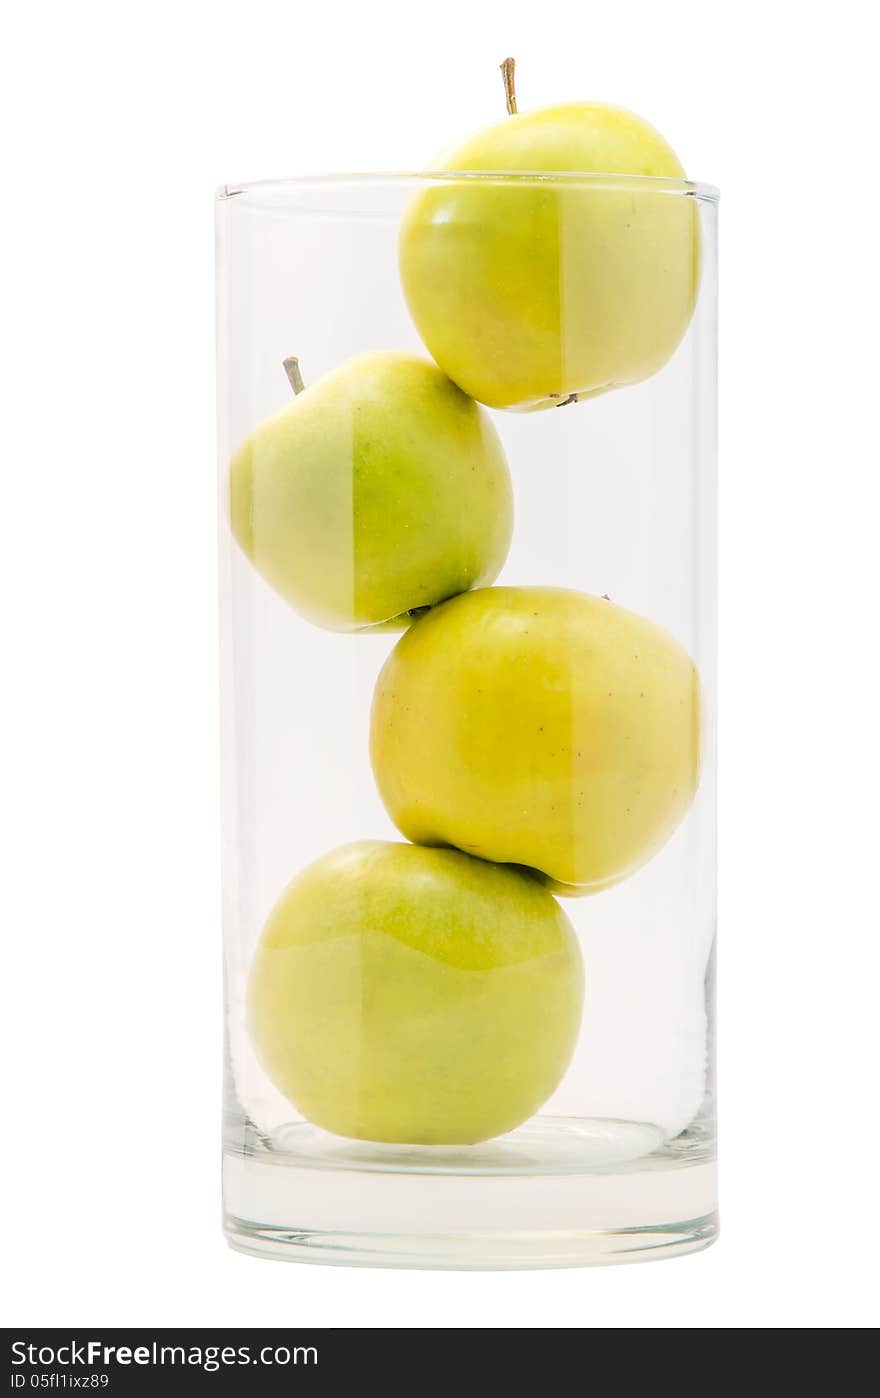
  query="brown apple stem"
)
[
  {"x": 292, "y": 370},
  {"x": 507, "y": 71}
]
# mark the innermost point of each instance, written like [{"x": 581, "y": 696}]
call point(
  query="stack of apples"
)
[{"x": 529, "y": 742}]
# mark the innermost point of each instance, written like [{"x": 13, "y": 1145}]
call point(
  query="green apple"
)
[
  {"x": 379, "y": 490},
  {"x": 540, "y": 727},
  {"x": 415, "y": 995},
  {"x": 535, "y": 292}
]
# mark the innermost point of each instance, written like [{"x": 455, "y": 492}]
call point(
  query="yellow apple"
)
[
  {"x": 379, "y": 490},
  {"x": 541, "y": 727},
  {"x": 415, "y": 995},
  {"x": 531, "y": 292}
]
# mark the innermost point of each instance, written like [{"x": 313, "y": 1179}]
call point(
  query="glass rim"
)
[{"x": 657, "y": 184}]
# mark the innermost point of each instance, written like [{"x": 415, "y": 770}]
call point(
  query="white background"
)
[{"x": 118, "y": 122}]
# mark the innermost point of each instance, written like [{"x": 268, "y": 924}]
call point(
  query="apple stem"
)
[
  {"x": 507, "y": 71},
  {"x": 292, "y": 370}
]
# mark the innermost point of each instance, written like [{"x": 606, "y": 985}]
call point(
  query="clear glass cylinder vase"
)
[{"x": 467, "y": 545}]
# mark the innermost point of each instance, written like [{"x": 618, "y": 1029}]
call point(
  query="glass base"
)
[{"x": 558, "y": 1193}]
